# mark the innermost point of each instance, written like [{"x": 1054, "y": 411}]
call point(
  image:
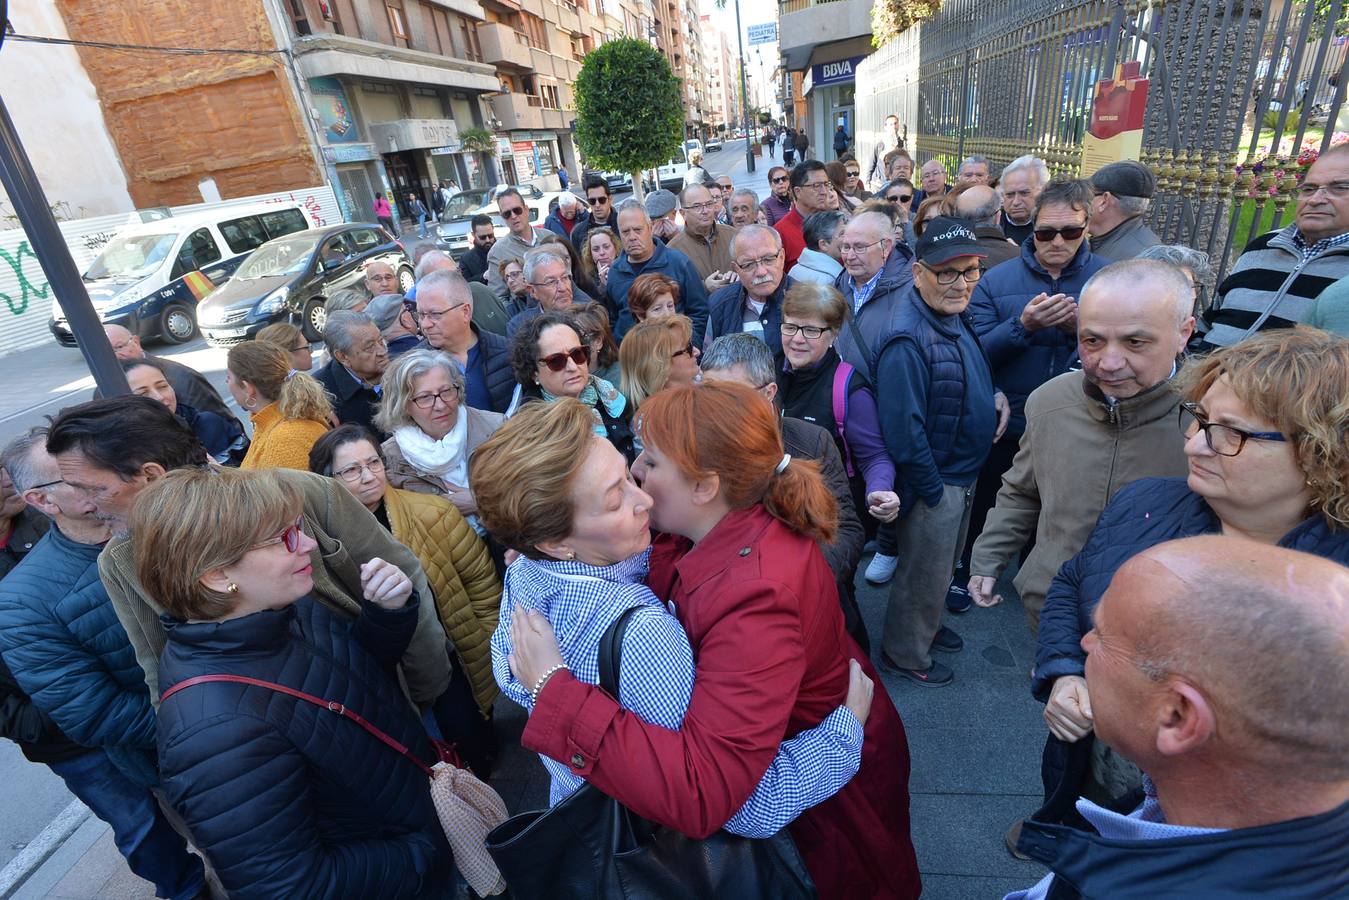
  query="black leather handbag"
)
[{"x": 591, "y": 847}]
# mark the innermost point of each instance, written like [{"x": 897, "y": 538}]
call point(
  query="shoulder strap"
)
[
  {"x": 330, "y": 705},
  {"x": 611, "y": 651},
  {"x": 842, "y": 374}
]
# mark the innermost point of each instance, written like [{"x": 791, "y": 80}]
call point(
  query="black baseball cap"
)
[{"x": 945, "y": 239}]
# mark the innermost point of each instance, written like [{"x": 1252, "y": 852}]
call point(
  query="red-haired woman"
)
[{"x": 739, "y": 564}]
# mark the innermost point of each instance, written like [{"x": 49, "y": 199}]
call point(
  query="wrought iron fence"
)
[{"x": 1240, "y": 91}]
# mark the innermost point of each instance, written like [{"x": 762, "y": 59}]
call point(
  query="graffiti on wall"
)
[{"x": 23, "y": 263}]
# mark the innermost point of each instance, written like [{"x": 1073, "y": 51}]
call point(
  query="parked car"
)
[
  {"x": 714, "y": 145},
  {"x": 692, "y": 144},
  {"x": 669, "y": 176},
  {"x": 455, "y": 236},
  {"x": 150, "y": 277},
  {"x": 618, "y": 182},
  {"x": 289, "y": 280}
]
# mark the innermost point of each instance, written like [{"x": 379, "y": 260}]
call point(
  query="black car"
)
[{"x": 289, "y": 280}]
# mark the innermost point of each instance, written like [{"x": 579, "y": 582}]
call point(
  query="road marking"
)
[
  {"x": 30, "y": 410},
  {"x": 41, "y": 848}
]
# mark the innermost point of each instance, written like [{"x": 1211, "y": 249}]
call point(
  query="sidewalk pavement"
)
[{"x": 974, "y": 746}]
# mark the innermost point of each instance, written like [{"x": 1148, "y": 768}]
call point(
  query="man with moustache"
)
[{"x": 753, "y": 304}]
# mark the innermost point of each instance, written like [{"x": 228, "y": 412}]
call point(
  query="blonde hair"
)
[
  {"x": 267, "y": 367},
  {"x": 522, "y": 476},
  {"x": 646, "y": 355},
  {"x": 282, "y": 334},
  {"x": 210, "y": 517},
  {"x": 1298, "y": 379}
]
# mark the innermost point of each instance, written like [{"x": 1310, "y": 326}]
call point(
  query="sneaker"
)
[
  {"x": 947, "y": 641},
  {"x": 1012, "y": 837},
  {"x": 881, "y": 568},
  {"x": 958, "y": 598},
  {"x": 935, "y": 675}
]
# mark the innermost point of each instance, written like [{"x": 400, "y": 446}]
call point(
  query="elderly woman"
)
[
  {"x": 656, "y": 355},
  {"x": 289, "y": 409},
  {"x": 1268, "y": 445},
  {"x": 458, "y": 568},
  {"x": 738, "y": 562},
  {"x": 593, "y": 320},
  {"x": 223, "y": 438},
  {"x": 551, "y": 361},
  {"x": 653, "y": 296},
  {"x": 291, "y": 339},
  {"x": 597, "y": 254},
  {"x": 284, "y": 798},
  {"x": 433, "y": 432}
]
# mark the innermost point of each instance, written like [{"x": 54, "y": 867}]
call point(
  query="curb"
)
[{"x": 41, "y": 848}]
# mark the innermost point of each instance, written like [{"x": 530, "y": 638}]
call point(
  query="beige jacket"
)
[
  {"x": 402, "y": 474},
  {"x": 707, "y": 256},
  {"x": 347, "y": 535},
  {"x": 1076, "y": 453}
]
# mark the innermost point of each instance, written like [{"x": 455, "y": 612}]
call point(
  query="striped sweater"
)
[{"x": 1273, "y": 285}]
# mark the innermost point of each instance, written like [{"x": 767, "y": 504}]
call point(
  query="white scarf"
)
[{"x": 444, "y": 458}]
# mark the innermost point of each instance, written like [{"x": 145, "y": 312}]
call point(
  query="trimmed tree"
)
[{"x": 629, "y": 112}]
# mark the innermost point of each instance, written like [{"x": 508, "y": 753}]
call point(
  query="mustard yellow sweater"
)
[{"x": 281, "y": 443}]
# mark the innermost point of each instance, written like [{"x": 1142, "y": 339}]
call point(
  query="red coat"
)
[
  {"x": 761, "y": 610},
  {"x": 793, "y": 238}
]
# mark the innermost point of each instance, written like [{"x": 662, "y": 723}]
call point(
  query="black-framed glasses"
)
[
  {"x": 901, "y": 198},
  {"x": 513, "y": 212},
  {"x": 290, "y": 537},
  {"x": 1224, "y": 440},
  {"x": 811, "y": 332},
  {"x": 47, "y": 484},
  {"x": 1071, "y": 233},
  {"x": 949, "y": 276},
  {"x": 428, "y": 400},
  {"x": 685, "y": 350},
  {"x": 779, "y": 179},
  {"x": 303, "y": 348},
  {"x": 352, "y": 474},
  {"x": 556, "y": 362},
  {"x": 599, "y": 201}
]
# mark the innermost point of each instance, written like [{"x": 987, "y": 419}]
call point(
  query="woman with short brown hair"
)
[{"x": 653, "y": 296}]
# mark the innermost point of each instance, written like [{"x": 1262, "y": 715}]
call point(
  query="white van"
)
[{"x": 150, "y": 277}]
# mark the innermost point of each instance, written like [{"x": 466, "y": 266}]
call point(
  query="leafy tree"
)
[
  {"x": 478, "y": 140},
  {"x": 889, "y": 18},
  {"x": 629, "y": 111}
]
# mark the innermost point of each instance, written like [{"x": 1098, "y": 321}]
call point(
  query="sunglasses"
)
[
  {"x": 556, "y": 362},
  {"x": 900, "y": 198},
  {"x": 600, "y": 200},
  {"x": 1071, "y": 233},
  {"x": 290, "y": 537},
  {"x": 779, "y": 179},
  {"x": 687, "y": 350},
  {"x": 512, "y": 213}
]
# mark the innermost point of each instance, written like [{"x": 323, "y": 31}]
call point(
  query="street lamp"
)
[{"x": 744, "y": 92}]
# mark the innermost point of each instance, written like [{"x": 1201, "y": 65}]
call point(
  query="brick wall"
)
[{"x": 178, "y": 119}]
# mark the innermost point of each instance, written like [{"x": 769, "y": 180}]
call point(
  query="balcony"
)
[
  {"x": 526, "y": 112},
  {"x": 804, "y": 25},
  {"x": 504, "y": 46}
]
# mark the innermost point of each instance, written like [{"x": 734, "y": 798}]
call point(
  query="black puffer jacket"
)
[{"x": 284, "y": 797}]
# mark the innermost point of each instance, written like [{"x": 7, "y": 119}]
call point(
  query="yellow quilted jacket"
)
[
  {"x": 281, "y": 443},
  {"x": 461, "y": 575}
]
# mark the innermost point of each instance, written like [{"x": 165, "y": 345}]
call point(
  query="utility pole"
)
[{"x": 744, "y": 93}]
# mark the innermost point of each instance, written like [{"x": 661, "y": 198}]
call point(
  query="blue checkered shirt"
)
[
  {"x": 861, "y": 293},
  {"x": 656, "y": 675},
  {"x": 1321, "y": 246}
]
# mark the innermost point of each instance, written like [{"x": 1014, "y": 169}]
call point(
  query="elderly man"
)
[
  {"x": 744, "y": 207},
  {"x": 899, "y": 164},
  {"x": 706, "y": 242},
  {"x": 974, "y": 170},
  {"x": 190, "y": 386},
  {"x": 821, "y": 261},
  {"x": 746, "y": 359},
  {"x": 445, "y": 314},
  {"x": 875, "y": 282},
  {"x": 396, "y": 321},
  {"x": 548, "y": 277},
  {"x": 21, "y": 526},
  {"x": 109, "y": 450},
  {"x": 662, "y": 208},
  {"x": 352, "y": 376},
  {"x": 779, "y": 201},
  {"x": 890, "y": 140},
  {"x": 520, "y": 238},
  {"x": 979, "y": 204},
  {"x": 1217, "y": 666},
  {"x": 753, "y": 303},
  {"x": 601, "y": 210},
  {"x": 933, "y": 180},
  {"x": 473, "y": 264},
  {"x": 1021, "y": 182},
  {"x": 811, "y": 189},
  {"x": 727, "y": 187},
  {"x": 489, "y": 313},
  {"x": 1090, "y": 432},
  {"x": 380, "y": 278},
  {"x": 67, "y": 651},
  {"x": 1123, "y": 194},
  {"x": 940, "y": 415},
  {"x": 1280, "y": 273},
  {"x": 642, "y": 254},
  {"x": 565, "y": 218}
]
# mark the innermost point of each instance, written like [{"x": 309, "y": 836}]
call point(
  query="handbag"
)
[
  {"x": 466, "y": 806},
  {"x": 591, "y": 847}
]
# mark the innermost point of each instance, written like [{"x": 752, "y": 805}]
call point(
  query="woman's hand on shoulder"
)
[
  {"x": 533, "y": 647},
  {"x": 384, "y": 584}
]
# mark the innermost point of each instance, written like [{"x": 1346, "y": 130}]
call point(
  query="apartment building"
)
[{"x": 822, "y": 42}]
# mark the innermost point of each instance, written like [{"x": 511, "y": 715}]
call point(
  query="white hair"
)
[
  {"x": 433, "y": 261},
  {"x": 1033, "y": 163}
]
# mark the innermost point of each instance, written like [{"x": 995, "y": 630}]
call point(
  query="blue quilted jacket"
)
[
  {"x": 1148, "y": 512},
  {"x": 285, "y": 798},
  {"x": 62, "y": 640}
]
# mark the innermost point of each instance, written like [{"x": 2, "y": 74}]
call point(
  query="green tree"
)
[
  {"x": 889, "y": 18},
  {"x": 629, "y": 112}
]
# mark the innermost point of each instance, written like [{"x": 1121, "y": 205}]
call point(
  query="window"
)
[
  {"x": 298, "y": 17},
  {"x": 469, "y": 35},
  {"x": 243, "y": 234},
  {"x": 336, "y": 251},
  {"x": 366, "y": 239},
  {"x": 198, "y": 251},
  {"x": 550, "y": 97},
  {"x": 286, "y": 221},
  {"x": 328, "y": 8},
  {"x": 396, "y": 20},
  {"x": 535, "y": 29}
]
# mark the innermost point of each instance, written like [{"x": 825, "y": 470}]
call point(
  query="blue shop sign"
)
[{"x": 839, "y": 71}]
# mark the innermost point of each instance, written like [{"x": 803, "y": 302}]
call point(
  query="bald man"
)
[
  {"x": 1218, "y": 666},
  {"x": 982, "y": 205},
  {"x": 188, "y": 384},
  {"x": 380, "y": 278}
]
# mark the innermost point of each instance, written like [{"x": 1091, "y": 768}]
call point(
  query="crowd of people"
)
[{"x": 673, "y": 428}]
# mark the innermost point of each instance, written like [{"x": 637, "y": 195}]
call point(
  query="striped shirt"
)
[{"x": 656, "y": 675}]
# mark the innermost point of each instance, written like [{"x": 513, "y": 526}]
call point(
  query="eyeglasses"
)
[
  {"x": 554, "y": 283},
  {"x": 703, "y": 207},
  {"x": 1336, "y": 189},
  {"x": 352, "y": 474},
  {"x": 686, "y": 350},
  {"x": 854, "y": 173},
  {"x": 900, "y": 198},
  {"x": 598, "y": 201},
  {"x": 46, "y": 484},
  {"x": 859, "y": 249},
  {"x": 949, "y": 276},
  {"x": 434, "y": 317},
  {"x": 818, "y": 187},
  {"x": 779, "y": 179},
  {"x": 1223, "y": 440},
  {"x": 1071, "y": 233},
  {"x": 556, "y": 362},
  {"x": 303, "y": 348},
  {"x": 811, "y": 332},
  {"x": 512, "y": 213},
  {"x": 290, "y": 537},
  {"x": 428, "y": 400},
  {"x": 752, "y": 264}
]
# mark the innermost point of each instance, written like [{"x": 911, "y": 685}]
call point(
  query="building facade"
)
[
  {"x": 822, "y": 42},
  {"x": 721, "y": 75}
]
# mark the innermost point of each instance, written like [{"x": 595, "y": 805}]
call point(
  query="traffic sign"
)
[{"x": 763, "y": 34}]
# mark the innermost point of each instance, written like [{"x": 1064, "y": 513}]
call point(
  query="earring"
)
[
  {"x": 571, "y": 554},
  {"x": 231, "y": 588}
]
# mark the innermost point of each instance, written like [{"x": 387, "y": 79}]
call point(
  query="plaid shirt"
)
[
  {"x": 861, "y": 293},
  {"x": 1321, "y": 246},
  {"x": 656, "y": 680}
]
